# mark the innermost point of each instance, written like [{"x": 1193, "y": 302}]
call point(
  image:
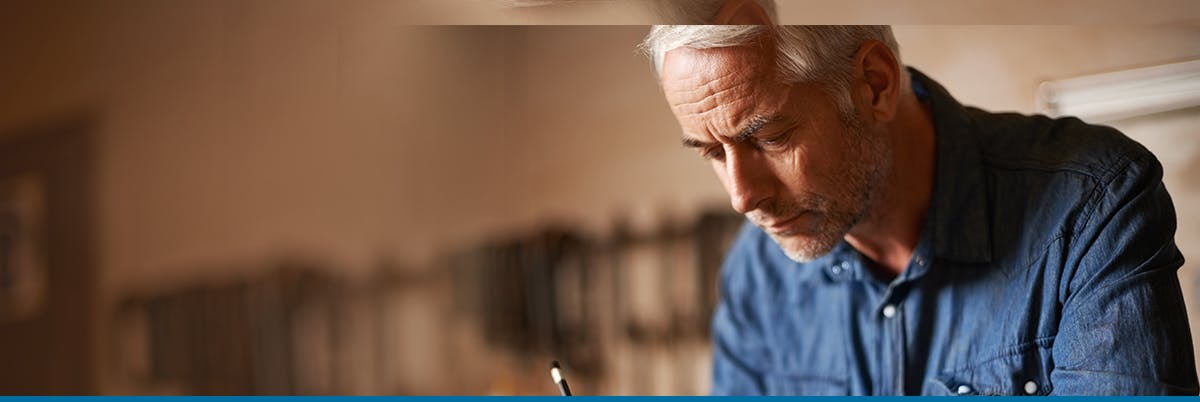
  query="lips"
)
[{"x": 781, "y": 227}]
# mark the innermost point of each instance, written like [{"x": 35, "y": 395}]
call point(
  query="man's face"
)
[{"x": 790, "y": 161}]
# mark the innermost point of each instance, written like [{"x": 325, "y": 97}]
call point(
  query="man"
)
[{"x": 901, "y": 243}]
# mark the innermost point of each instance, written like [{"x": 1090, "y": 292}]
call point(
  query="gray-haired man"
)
[{"x": 901, "y": 243}]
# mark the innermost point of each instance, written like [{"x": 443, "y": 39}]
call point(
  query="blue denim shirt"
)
[{"x": 1046, "y": 265}]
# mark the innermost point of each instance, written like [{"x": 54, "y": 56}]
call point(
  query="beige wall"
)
[
  {"x": 811, "y": 12},
  {"x": 233, "y": 134},
  {"x": 999, "y": 67}
]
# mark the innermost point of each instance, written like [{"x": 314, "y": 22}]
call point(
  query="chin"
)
[{"x": 804, "y": 249}]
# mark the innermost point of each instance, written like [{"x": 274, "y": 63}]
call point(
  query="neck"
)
[{"x": 889, "y": 233}]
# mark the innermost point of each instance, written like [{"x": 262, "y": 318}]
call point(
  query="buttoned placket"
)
[
  {"x": 889, "y": 312},
  {"x": 890, "y": 316},
  {"x": 892, "y": 321}
]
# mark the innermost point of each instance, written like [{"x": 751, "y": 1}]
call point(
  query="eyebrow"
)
[{"x": 757, "y": 122}]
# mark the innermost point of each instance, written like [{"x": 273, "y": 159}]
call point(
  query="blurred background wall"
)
[{"x": 319, "y": 196}]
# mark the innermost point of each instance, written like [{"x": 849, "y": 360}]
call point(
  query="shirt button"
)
[
  {"x": 920, "y": 261},
  {"x": 963, "y": 389},
  {"x": 889, "y": 311},
  {"x": 1031, "y": 387},
  {"x": 836, "y": 269}
]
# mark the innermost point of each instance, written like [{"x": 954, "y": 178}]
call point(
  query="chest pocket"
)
[
  {"x": 1024, "y": 372},
  {"x": 798, "y": 384}
]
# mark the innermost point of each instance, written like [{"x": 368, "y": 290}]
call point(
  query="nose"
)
[{"x": 747, "y": 180}]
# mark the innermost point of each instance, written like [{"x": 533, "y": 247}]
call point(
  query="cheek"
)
[
  {"x": 826, "y": 156},
  {"x": 796, "y": 169}
]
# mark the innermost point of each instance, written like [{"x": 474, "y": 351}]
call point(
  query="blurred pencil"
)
[{"x": 556, "y": 374}]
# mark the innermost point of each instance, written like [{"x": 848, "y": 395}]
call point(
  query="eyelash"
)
[
  {"x": 714, "y": 153},
  {"x": 718, "y": 153},
  {"x": 776, "y": 140}
]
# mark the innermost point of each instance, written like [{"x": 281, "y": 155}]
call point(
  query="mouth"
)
[{"x": 784, "y": 227}]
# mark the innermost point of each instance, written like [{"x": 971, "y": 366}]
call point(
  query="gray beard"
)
[{"x": 849, "y": 204}]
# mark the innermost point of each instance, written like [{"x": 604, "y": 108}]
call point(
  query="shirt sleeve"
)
[
  {"x": 737, "y": 340},
  {"x": 1124, "y": 328}
]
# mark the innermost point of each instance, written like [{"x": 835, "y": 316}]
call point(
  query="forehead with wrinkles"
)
[{"x": 712, "y": 90}]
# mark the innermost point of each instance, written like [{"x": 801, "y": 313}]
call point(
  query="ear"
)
[
  {"x": 741, "y": 12},
  {"x": 880, "y": 73}
]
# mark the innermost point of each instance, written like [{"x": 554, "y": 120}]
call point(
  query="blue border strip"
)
[{"x": 476, "y": 398}]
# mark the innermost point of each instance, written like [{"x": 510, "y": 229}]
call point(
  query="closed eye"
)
[
  {"x": 716, "y": 153},
  {"x": 775, "y": 140},
  {"x": 708, "y": 150}
]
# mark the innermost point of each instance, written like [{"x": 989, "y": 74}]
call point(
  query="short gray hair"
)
[{"x": 820, "y": 55}]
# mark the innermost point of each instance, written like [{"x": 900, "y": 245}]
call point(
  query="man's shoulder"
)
[
  {"x": 1062, "y": 179},
  {"x": 1012, "y": 141}
]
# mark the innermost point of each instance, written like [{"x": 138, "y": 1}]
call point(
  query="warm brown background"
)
[{"x": 224, "y": 136}]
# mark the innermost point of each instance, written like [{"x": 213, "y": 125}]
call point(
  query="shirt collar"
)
[{"x": 961, "y": 227}]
